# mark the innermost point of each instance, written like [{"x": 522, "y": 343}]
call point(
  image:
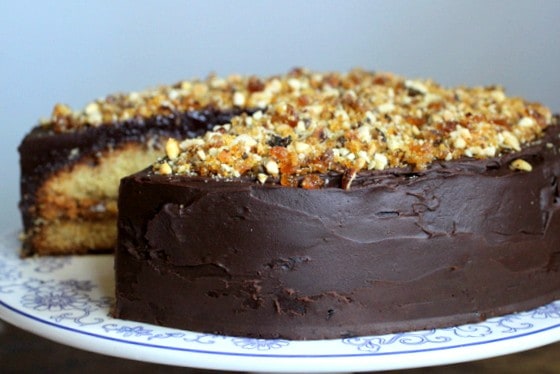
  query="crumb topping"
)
[
  {"x": 305, "y": 124},
  {"x": 213, "y": 92},
  {"x": 313, "y": 123}
]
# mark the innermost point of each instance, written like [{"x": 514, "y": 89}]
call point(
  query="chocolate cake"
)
[{"x": 355, "y": 204}]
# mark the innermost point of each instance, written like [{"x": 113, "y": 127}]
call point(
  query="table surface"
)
[{"x": 21, "y": 351}]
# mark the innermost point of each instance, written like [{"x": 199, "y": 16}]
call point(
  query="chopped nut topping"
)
[
  {"x": 262, "y": 178},
  {"x": 313, "y": 123},
  {"x": 519, "y": 164},
  {"x": 165, "y": 169},
  {"x": 214, "y": 92},
  {"x": 272, "y": 167},
  {"x": 310, "y": 123},
  {"x": 172, "y": 149}
]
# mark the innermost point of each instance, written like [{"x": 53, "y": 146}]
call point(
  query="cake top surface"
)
[
  {"x": 317, "y": 123},
  {"x": 222, "y": 93},
  {"x": 302, "y": 124}
]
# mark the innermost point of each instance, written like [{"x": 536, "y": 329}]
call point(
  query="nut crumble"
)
[
  {"x": 315, "y": 123},
  {"x": 307, "y": 123}
]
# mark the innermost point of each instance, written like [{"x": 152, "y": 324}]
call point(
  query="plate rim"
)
[
  {"x": 197, "y": 357},
  {"x": 244, "y": 354}
]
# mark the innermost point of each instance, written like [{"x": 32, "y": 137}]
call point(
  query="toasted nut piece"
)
[
  {"x": 165, "y": 169},
  {"x": 172, "y": 148},
  {"x": 520, "y": 164},
  {"x": 272, "y": 167},
  {"x": 238, "y": 99}
]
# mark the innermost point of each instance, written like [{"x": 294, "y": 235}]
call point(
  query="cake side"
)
[{"x": 397, "y": 251}]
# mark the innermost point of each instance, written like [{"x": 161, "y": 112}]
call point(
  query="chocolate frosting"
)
[{"x": 400, "y": 250}]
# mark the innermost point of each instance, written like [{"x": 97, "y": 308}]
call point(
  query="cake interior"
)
[
  {"x": 77, "y": 205},
  {"x": 70, "y": 179}
]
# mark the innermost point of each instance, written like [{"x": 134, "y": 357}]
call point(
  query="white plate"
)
[{"x": 68, "y": 299}]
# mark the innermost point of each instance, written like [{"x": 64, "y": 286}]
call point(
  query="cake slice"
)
[
  {"x": 71, "y": 164},
  {"x": 356, "y": 204}
]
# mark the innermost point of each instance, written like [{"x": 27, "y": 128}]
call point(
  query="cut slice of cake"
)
[{"x": 71, "y": 164}]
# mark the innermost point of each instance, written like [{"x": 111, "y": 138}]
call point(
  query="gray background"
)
[{"x": 72, "y": 52}]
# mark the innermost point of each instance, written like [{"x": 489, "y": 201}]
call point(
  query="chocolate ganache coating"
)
[{"x": 456, "y": 243}]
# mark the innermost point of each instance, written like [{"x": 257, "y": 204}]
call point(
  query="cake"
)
[
  {"x": 353, "y": 204},
  {"x": 72, "y": 162}
]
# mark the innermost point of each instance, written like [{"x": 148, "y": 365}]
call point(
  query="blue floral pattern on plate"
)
[{"x": 75, "y": 294}]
